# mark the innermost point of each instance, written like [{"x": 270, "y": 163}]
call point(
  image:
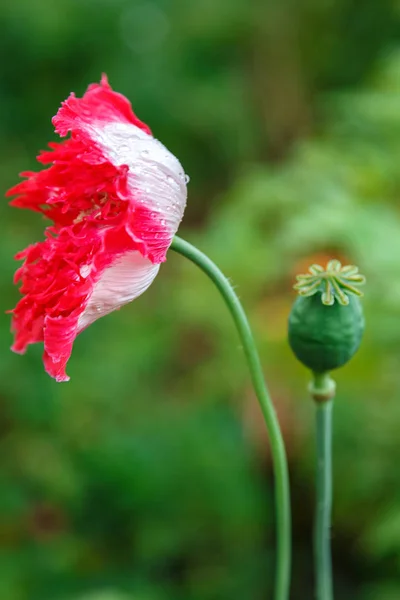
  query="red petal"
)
[{"x": 99, "y": 104}]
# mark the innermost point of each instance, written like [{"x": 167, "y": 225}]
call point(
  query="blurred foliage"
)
[{"x": 148, "y": 475}]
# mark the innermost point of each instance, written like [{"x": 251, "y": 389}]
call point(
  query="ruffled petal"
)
[
  {"x": 155, "y": 178},
  {"x": 59, "y": 335},
  {"x": 126, "y": 279},
  {"x": 99, "y": 105},
  {"x": 70, "y": 281}
]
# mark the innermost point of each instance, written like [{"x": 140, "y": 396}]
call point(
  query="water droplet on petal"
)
[
  {"x": 187, "y": 178},
  {"x": 85, "y": 271},
  {"x": 144, "y": 152}
]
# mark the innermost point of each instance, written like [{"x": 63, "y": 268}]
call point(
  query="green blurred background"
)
[{"x": 148, "y": 476}]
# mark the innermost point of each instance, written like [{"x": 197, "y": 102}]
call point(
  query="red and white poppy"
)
[{"x": 115, "y": 196}]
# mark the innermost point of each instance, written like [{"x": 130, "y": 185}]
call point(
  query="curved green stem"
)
[
  {"x": 322, "y": 542},
  {"x": 277, "y": 446}
]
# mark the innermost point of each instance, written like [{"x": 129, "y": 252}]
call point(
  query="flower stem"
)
[
  {"x": 322, "y": 546},
  {"x": 282, "y": 497}
]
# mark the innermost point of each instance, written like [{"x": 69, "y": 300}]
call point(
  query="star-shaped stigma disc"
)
[{"x": 333, "y": 282}]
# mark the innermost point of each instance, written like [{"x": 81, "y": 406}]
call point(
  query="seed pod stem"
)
[
  {"x": 322, "y": 531},
  {"x": 322, "y": 387}
]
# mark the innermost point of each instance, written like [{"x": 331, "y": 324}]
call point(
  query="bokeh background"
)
[{"x": 148, "y": 475}]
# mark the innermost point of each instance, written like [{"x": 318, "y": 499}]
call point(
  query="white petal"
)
[
  {"x": 121, "y": 283},
  {"x": 156, "y": 177}
]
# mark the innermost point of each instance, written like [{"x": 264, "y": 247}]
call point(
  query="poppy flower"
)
[{"x": 115, "y": 197}]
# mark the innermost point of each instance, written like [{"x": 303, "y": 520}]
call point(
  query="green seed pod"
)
[{"x": 326, "y": 322}]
